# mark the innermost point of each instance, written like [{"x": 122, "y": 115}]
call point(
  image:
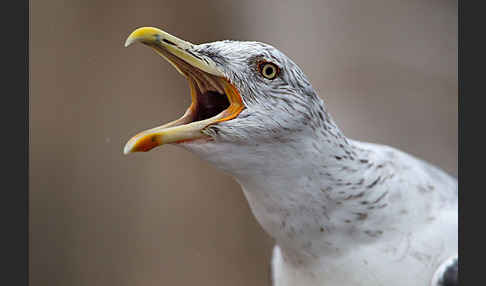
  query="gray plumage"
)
[{"x": 342, "y": 212}]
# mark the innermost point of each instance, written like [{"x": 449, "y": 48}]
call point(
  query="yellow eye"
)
[{"x": 268, "y": 70}]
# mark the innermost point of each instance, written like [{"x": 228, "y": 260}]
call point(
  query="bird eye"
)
[{"x": 268, "y": 70}]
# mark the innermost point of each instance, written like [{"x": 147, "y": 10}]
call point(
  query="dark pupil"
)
[{"x": 269, "y": 71}]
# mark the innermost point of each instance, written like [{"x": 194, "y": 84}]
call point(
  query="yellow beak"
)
[{"x": 200, "y": 71}]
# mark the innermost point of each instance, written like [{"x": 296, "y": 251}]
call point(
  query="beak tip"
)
[
  {"x": 129, "y": 41},
  {"x": 127, "y": 149},
  {"x": 142, "y": 34}
]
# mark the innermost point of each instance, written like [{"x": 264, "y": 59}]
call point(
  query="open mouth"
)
[
  {"x": 207, "y": 92},
  {"x": 214, "y": 98},
  {"x": 209, "y": 104}
]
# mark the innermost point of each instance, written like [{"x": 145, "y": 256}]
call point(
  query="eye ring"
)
[{"x": 268, "y": 70}]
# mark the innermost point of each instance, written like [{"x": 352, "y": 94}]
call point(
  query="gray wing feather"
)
[{"x": 447, "y": 274}]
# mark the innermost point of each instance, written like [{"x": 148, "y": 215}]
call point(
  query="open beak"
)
[{"x": 214, "y": 98}]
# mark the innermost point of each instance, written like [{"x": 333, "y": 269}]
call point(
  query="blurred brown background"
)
[{"x": 386, "y": 69}]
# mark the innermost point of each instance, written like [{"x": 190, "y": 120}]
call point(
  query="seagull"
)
[{"x": 341, "y": 211}]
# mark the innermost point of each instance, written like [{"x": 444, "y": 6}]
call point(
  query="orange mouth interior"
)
[{"x": 214, "y": 99}]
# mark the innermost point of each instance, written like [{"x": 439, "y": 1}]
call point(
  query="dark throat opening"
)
[{"x": 209, "y": 104}]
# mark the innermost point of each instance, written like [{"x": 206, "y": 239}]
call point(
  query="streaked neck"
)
[{"x": 309, "y": 191}]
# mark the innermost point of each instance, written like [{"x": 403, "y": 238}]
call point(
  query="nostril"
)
[{"x": 168, "y": 42}]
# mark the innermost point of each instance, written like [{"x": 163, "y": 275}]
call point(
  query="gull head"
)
[{"x": 243, "y": 94}]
